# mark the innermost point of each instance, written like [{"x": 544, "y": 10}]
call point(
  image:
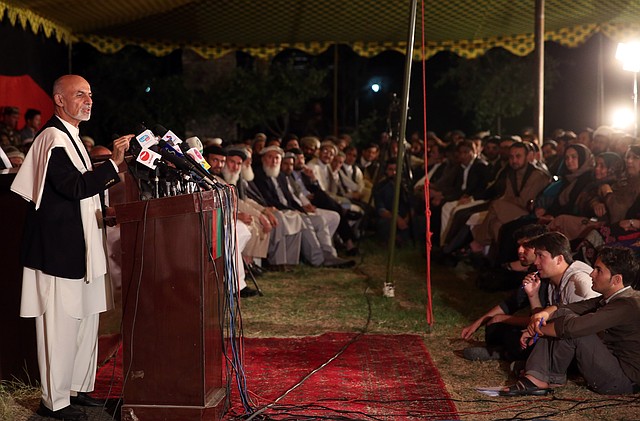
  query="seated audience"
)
[
  {"x": 559, "y": 197},
  {"x": 310, "y": 146},
  {"x": 217, "y": 157},
  {"x": 9, "y": 134},
  {"x": 601, "y": 139},
  {"x": 622, "y": 204},
  {"x": 33, "y": 120},
  {"x": 305, "y": 179},
  {"x": 601, "y": 334},
  {"x": 383, "y": 195},
  {"x": 565, "y": 280},
  {"x": 15, "y": 155},
  {"x": 503, "y": 327},
  {"x": 351, "y": 177},
  {"x": 369, "y": 163},
  {"x": 524, "y": 182},
  {"x": 590, "y": 207},
  {"x": 459, "y": 189},
  {"x": 317, "y": 244}
]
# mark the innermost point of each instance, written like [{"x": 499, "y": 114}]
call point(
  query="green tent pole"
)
[{"x": 389, "y": 289}]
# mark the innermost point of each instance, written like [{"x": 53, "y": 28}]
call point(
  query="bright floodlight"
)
[
  {"x": 375, "y": 87},
  {"x": 629, "y": 54},
  {"x": 623, "y": 118}
]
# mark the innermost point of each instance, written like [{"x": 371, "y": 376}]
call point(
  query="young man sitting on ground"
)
[
  {"x": 602, "y": 334},
  {"x": 561, "y": 280},
  {"x": 502, "y": 327}
]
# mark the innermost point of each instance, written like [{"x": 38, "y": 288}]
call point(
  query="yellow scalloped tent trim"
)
[
  {"x": 517, "y": 44},
  {"x": 36, "y": 23}
]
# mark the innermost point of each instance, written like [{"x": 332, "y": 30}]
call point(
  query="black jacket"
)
[{"x": 53, "y": 239}]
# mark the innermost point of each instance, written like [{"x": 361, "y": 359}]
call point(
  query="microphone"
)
[
  {"x": 192, "y": 156},
  {"x": 193, "y": 149},
  {"x": 142, "y": 148},
  {"x": 194, "y": 142},
  {"x": 168, "y": 136},
  {"x": 182, "y": 163}
]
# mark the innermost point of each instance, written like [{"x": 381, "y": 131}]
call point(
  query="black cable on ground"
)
[{"x": 258, "y": 413}]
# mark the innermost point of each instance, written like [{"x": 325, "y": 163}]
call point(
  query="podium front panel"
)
[{"x": 172, "y": 338}]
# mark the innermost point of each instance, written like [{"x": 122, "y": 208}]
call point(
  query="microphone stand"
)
[{"x": 156, "y": 183}]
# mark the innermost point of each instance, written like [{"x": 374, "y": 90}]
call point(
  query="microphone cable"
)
[{"x": 230, "y": 318}]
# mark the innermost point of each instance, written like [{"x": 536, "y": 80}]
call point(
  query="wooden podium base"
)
[{"x": 214, "y": 410}]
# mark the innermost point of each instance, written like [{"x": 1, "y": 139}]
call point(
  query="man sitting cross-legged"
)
[
  {"x": 602, "y": 334},
  {"x": 503, "y": 327}
]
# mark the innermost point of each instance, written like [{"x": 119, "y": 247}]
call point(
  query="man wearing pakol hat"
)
[{"x": 320, "y": 164}]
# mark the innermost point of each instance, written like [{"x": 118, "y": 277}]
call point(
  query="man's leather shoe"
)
[
  {"x": 84, "y": 399},
  {"x": 337, "y": 263},
  {"x": 247, "y": 292},
  {"x": 68, "y": 413}
]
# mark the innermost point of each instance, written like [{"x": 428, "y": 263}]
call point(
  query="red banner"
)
[{"x": 24, "y": 93}]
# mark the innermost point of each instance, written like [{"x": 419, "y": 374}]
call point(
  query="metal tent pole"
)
[
  {"x": 388, "y": 290},
  {"x": 539, "y": 42}
]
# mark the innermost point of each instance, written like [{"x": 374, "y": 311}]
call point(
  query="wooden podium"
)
[{"x": 172, "y": 337}]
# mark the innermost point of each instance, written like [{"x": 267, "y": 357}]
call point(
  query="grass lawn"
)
[{"x": 311, "y": 301}]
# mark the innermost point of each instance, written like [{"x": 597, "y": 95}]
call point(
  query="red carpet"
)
[{"x": 382, "y": 377}]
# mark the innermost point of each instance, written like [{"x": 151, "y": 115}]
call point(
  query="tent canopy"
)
[{"x": 262, "y": 28}]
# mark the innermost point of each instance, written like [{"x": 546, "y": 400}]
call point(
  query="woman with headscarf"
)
[
  {"x": 621, "y": 199},
  {"x": 560, "y": 197},
  {"x": 556, "y": 199},
  {"x": 590, "y": 207}
]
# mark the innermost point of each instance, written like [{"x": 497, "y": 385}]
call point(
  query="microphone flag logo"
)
[
  {"x": 197, "y": 156},
  {"x": 171, "y": 138},
  {"x": 147, "y": 139},
  {"x": 148, "y": 158}
]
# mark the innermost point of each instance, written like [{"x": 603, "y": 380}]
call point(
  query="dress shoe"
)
[
  {"x": 68, "y": 413},
  {"x": 338, "y": 263},
  {"x": 247, "y": 292},
  {"x": 83, "y": 399}
]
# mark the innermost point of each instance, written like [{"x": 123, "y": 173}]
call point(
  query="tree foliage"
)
[
  {"x": 268, "y": 97},
  {"x": 496, "y": 86},
  {"x": 132, "y": 87}
]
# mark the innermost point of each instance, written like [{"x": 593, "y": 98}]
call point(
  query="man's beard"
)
[
  {"x": 247, "y": 173},
  {"x": 272, "y": 171},
  {"x": 230, "y": 177},
  {"x": 81, "y": 116}
]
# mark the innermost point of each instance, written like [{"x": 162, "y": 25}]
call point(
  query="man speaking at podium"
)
[{"x": 64, "y": 283}]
